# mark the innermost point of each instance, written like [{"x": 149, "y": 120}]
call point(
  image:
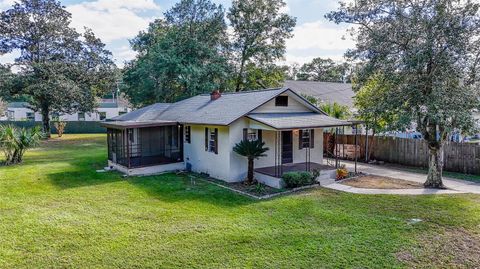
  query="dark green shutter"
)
[
  {"x": 206, "y": 139},
  {"x": 259, "y": 135},
  {"x": 312, "y": 138},
  {"x": 216, "y": 141},
  {"x": 300, "y": 137},
  {"x": 245, "y": 134}
]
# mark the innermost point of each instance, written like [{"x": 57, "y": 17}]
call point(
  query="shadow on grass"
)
[
  {"x": 176, "y": 188},
  {"x": 82, "y": 178}
]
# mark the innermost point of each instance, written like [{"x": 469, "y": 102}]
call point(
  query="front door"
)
[{"x": 287, "y": 147}]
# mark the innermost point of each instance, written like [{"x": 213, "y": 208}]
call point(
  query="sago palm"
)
[
  {"x": 251, "y": 150},
  {"x": 16, "y": 141}
]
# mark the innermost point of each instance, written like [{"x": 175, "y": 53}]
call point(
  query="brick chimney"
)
[{"x": 215, "y": 95}]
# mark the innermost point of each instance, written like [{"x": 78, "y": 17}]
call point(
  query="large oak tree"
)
[
  {"x": 180, "y": 56},
  {"x": 61, "y": 70},
  {"x": 260, "y": 30},
  {"x": 428, "y": 54}
]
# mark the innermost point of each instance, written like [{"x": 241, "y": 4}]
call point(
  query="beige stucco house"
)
[{"x": 199, "y": 133}]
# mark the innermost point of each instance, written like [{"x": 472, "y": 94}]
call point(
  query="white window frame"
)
[
  {"x": 84, "y": 116},
  {"x": 211, "y": 140}
]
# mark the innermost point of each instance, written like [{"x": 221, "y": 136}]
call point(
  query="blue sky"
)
[{"x": 116, "y": 21}]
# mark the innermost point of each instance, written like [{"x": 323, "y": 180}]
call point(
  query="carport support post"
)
[
  {"x": 366, "y": 144},
  {"x": 335, "y": 148},
  {"x": 356, "y": 145}
]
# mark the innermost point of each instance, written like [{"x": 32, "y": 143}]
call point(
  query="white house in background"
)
[
  {"x": 107, "y": 109},
  {"x": 199, "y": 134}
]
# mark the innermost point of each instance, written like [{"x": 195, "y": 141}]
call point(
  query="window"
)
[
  {"x": 306, "y": 139},
  {"x": 11, "y": 115},
  {"x": 102, "y": 115},
  {"x": 121, "y": 113},
  {"x": 188, "y": 136},
  {"x": 211, "y": 140},
  {"x": 252, "y": 134},
  {"x": 55, "y": 116},
  {"x": 281, "y": 101},
  {"x": 31, "y": 116},
  {"x": 81, "y": 116}
]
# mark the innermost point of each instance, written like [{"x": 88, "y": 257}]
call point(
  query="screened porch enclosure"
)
[{"x": 146, "y": 146}]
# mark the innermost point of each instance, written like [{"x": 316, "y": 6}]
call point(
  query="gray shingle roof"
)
[
  {"x": 147, "y": 113},
  {"x": 297, "y": 120},
  {"x": 327, "y": 92},
  {"x": 17, "y": 105},
  {"x": 225, "y": 110},
  {"x": 201, "y": 109}
]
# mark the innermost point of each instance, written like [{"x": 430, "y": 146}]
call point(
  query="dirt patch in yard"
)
[
  {"x": 450, "y": 248},
  {"x": 379, "y": 182}
]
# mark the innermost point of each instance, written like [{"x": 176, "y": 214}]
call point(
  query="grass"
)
[{"x": 57, "y": 212}]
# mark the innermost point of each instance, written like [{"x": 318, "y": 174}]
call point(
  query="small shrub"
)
[
  {"x": 60, "y": 126},
  {"x": 342, "y": 173},
  {"x": 297, "y": 179}
]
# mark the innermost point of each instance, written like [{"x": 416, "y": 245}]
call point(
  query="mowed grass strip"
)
[{"x": 56, "y": 211}]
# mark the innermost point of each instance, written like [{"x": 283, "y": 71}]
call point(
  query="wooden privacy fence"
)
[{"x": 458, "y": 157}]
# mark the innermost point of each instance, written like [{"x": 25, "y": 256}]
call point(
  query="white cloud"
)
[
  {"x": 128, "y": 4},
  {"x": 291, "y": 58},
  {"x": 122, "y": 54},
  {"x": 112, "y": 19},
  {"x": 320, "y": 35},
  {"x": 5, "y": 4},
  {"x": 9, "y": 58}
]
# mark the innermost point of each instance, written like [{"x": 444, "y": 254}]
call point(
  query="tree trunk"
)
[
  {"x": 240, "y": 72},
  {"x": 46, "y": 122},
  {"x": 371, "y": 146},
  {"x": 435, "y": 168},
  {"x": 250, "y": 172}
]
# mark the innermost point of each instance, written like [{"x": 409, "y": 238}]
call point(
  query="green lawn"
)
[{"x": 57, "y": 212}]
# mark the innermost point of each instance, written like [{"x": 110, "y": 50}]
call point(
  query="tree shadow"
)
[
  {"x": 82, "y": 178},
  {"x": 174, "y": 188},
  {"x": 169, "y": 187}
]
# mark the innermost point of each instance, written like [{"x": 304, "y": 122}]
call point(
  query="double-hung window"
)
[
  {"x": 211, "y": 140},
  {"x": 81, "y": 116},
  {"x": 306, "y": 138},
  {"x": 31, "y": 116},
  {"x": 252, "y": 134}
]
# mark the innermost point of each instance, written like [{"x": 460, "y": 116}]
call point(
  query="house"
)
[
  {"x": 325, "y": 92},
  {"x": 199, "y": 133},
  {"x": 107, "y": 109}
]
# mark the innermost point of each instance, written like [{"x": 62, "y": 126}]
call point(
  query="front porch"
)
[
  {"x": 278, "y": 171},
  {"x": 272, "y": 175}
]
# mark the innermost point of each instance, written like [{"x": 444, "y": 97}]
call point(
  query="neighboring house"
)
[
  {"x": 325, "y": 92},
  {"x": 199, "y": 134},
  {"x": 107, "y": 109}
]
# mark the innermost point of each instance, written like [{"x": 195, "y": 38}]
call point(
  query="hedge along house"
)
[{"x": 199, "y": 133}]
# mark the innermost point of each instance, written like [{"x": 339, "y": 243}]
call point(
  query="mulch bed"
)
[
  {"x": 257, "y": 189},
  {"x": 379, "y": 182}
]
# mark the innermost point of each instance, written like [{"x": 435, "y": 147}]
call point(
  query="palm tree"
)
[
  {"x": 251, "y": 150},
  {"x": 15, "y": 142},
  {"x": 336, "y": 110}
]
